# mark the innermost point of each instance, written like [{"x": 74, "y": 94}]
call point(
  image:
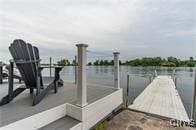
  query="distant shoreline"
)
[
  {"x": 139, "y": 62},
  {"x": 151, "y": 61}
]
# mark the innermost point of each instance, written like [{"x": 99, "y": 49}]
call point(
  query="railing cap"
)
[
  {"x": 116, "y": 53},
  {"x": 81, "y": 45}
]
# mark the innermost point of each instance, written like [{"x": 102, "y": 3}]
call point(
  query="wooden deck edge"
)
[
  {"x": 38, "y": 120},
  {"x": 46, "y": 117},
  {"x": 150, "y": 114}
]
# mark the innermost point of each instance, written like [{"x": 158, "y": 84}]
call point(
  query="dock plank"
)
[{"x": 161, "y": 98}]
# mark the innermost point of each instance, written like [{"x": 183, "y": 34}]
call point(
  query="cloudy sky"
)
[{"x": 136, "y": 28}]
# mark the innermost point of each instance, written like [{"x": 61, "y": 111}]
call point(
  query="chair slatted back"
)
[{"x": 26, "y": 54}]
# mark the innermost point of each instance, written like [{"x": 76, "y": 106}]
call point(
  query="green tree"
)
[
  {"x": 105, "y": 62},
  {"x": 174, "y": 60},
  {"x": 89, "y": 63},
  {"x": 168, "y": 64},
  {"x": 74, "y": 62},
  {"x": 111, "y": 62},
  {"x": 120, "y": 62},
  {"x": 63, "y": 62},
  {"x": 101, "y": 62},
  {"x": 96, "y": 62},
  {"x": 157, "y": 61},
  {"x": 191, "y": 64}
]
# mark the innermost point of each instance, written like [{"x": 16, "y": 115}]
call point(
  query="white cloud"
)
[{"x": 133, "y": 27}]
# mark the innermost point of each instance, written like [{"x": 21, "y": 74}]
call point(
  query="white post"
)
[
  {"x": 116, "y": 70},
  {"x": 173, "y": 74},
  {"x": 1, "y": 74},
  {"x": 50, "y": 66},
  {"x": 193, "y": 115},
  {"x": 75, "y": 64},
  {"x": 155, "y": 73},
  {"x": 81, "y": 76}
]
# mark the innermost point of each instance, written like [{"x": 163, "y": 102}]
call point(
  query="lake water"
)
[{"x": 139, "y": 79}]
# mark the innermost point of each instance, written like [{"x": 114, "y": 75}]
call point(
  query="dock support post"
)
[
  {"x": 150, "y": 79},
  {"x": 193, "y": 115},
  {"x": 174, "y": 78},
  {"x": 116, "y": 70},
  {"x": 75, "y": 64},
  {"x": 50, "y": 66},
  {"x": 173, "y": 74},
  {"x": 81, "y": 76},
  {"x": 1, "y": 74},
  {"x": 175, "y": 81},
  {"x": 155, "y": 74},
  {"x": 127, "y": 97}
]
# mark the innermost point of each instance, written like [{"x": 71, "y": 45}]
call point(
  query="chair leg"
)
[
  {"x": 37, "y": 91},
  {"x": 11, "y": 80},
  {"x": 31, "y": 90},
  {"x": 39, "y": 96},
  {"x": 38, "y": 85},
  {"x": 55, "y": 86},
  {"x": 60, "y": 82},
  {"x": 9, "y": 97}
]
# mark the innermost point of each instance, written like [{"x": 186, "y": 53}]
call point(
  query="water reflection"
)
[{"x": 139, "y": 79}]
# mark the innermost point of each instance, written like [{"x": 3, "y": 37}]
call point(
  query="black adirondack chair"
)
[{"x": 26, "y": 57}]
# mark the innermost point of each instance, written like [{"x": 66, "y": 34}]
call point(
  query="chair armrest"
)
[
  {"x": 48, "y": 66},
  {"x": 57, "y": 71},
  {"x": 25, "y": 61}
]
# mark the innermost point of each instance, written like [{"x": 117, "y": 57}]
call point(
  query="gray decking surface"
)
[
  {"x": 64, "y": 123},
  {"x": 21, "y": 107}
]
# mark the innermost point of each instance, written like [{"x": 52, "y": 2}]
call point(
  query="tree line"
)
[
  {"x": 145, "y": 61},
  {"x": 158, "y": 61},
  {"x": 65, "y": 62}
]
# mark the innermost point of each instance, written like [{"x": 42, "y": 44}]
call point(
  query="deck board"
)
[
  {"x": 161, "y": 98},
  {"x": 65, "y": 123},
  {"x": 21, "y": 107}
]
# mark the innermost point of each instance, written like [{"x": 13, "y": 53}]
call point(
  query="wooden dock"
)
[{"x": 161, "y": 98}]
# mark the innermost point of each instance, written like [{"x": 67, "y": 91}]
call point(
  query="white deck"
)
[{"x": 161, "y": 98}]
